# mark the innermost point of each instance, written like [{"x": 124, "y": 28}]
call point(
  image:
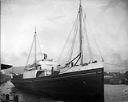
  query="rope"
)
[
  {"x": 88, "y": 43},
  {"x": 95, "y": 42},
  {"x": 61, "y": 53},
  {"x": 73, "y": 42},
  {"x": 29, "y": 53},
  {"x": 99, "y": 50},
  {"x": 39, "y": 44},
  {"x": 37, "y": 38}
]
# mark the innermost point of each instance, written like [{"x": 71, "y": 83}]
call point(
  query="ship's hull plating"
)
[{"x": 74, "y": 85}]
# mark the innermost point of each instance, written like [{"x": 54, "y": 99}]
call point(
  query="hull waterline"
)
[{"x": 68, "y": 86}]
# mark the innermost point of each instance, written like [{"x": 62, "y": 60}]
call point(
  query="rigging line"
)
[
  {"x": 66, "y": 40},
  {"x": 71, "y": 30},
  {"x": 73, "y": 42},
  {"x": 99, "y": 50},
  {"x": 64, "y": 46},
  {"x": 116, "y": 64},
  {"x": 96, "y": 44},
  {"x": 89, "y": 48},
  {"x": 77, "y": 60},
  {"x": 70, "y": 62},
  {"x": 29, "y": 53},
  {"x": 74, "y": 58},
  {"x": 39, "y": 44}
]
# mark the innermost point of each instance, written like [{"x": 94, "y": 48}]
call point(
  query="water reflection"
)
[
  {"x": 16, "y": 95},
  {"x": 25, "y": 97}
]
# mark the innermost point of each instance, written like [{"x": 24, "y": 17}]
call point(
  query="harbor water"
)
[
  {"x": 116, "y": 93},
  {"x": 112, "y": 93},
  {"x": 9, "y": 89}
]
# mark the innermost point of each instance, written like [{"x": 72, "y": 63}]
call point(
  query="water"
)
[
  {"x": 8, "y": 88},
  {"x": 116, "y": 93},
  {"x": 112, "y": 93}
]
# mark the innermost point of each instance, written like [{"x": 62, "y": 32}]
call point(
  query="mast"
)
[
  {"x": 35, "y": 45},
  {"x": 80, "y": 31}
]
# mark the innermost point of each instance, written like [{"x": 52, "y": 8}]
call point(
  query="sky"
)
[{"x": 106, "y": 21}]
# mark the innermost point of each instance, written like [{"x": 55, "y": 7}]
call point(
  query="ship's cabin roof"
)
[{"x": 43, "y": 68}]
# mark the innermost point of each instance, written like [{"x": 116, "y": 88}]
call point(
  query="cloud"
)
[
  {"x": 106, "y": 22},
  {"x": 115, "y": 3}
]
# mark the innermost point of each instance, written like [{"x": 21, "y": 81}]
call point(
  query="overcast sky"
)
[{"x": 107, "y": 21}]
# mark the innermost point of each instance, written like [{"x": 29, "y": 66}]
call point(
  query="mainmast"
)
[
  {"x": 35, "y": 45},
  {"x": 80, "y": 31}
]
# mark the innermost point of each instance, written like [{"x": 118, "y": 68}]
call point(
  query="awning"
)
[{"x": 5, "y": 66}]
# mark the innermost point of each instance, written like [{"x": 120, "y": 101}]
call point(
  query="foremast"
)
[
  {"x": 34, "y": 43},
  {"x": 35, "y": 47}
]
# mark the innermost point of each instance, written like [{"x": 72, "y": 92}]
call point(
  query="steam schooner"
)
[{"x": 76, "y": 80}]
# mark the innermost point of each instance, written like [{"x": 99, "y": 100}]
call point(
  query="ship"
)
[{"x": 75, "y": 80}]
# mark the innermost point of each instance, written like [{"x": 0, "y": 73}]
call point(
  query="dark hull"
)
[{"x": 79, "y": 85}]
